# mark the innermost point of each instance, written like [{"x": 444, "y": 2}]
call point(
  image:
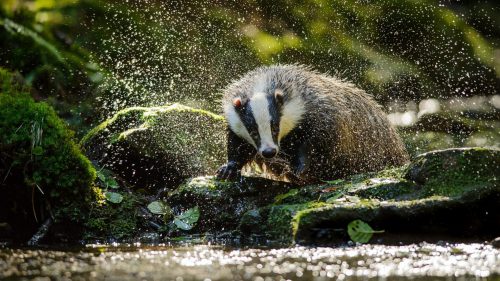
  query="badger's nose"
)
[{"x": 269, "y": 152}]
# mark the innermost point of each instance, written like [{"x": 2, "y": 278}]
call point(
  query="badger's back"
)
[
  {"x": 352, "y": 133},
  {"x": 347, "y": 130}
]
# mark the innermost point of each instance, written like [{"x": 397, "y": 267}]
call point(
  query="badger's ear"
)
[
  {"x": 278, "y": 95},
  {"x": 238, "y": 103}
]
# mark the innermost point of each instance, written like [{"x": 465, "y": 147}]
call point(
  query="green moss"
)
[
  {"x": 454, "y": 172},
  {"x": 280, "y": 219},
  {"x": 436, "y": 183},
  {"x": 386, "y": 189},
  {"x": 109, "y": 220},
  {"x": 41, "y": 164},
  {"x": 388, "y": 213},
  {"x": 143, "y": 117},
  {"x": 302, "y": 217},
  {"x": 121, "y": 118},
  {"x": 204, "y": 186},
  {"x": 31, "y": 133},
  {"x": 171, "y": 143},
  {"x": 273, "y": 221},
  {"x": 11, "y": 83},
  {"x": 394, "y": 172}
]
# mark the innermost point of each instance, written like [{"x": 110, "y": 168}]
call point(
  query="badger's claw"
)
[
  {"x": 298, "y": 168},
  {"x": 228, "y": 171}
]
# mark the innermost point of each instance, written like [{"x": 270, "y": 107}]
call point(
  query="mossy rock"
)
[
  {"x": 114, "y": 221},
  {"x": 448, "y": 193},
  {"x": 156, "y": 147},
  {"x": 454, "y": 172},
  {"x": 43, "y": 172},
  {"x": 221, "y": 203}
]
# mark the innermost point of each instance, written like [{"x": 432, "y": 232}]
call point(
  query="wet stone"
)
[
  {"x": 157, "y": 147},
  {"x": 496, "y": 242},
  {"x": 443, "y": 194}
]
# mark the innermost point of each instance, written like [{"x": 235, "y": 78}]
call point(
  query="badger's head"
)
[{"x": 264, "y": 117}]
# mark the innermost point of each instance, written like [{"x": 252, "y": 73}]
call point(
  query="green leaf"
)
[
  {"x": 159, "y": 208},
  {"x": 107, "y": 179},
  {"x": 114, "y": 197},
  {"x": 187, "y": 219},
  {"x": 190, "y": 216},
  {"x": 359, "y": 231},
  {"x": 100, "y": 175},
  {"x": 111, "y": 182},
  {"x": 182, "y": 224}
]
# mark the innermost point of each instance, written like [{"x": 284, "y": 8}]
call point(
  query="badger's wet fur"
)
[{"x": 305, "y": 126}]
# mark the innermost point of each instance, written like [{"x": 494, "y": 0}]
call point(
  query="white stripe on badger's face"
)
[
  {"x": 234, "y": 121},
  {"x": 291, "y": 114},
  {"x": 260, "y": 109}
]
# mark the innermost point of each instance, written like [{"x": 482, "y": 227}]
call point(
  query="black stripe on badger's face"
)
[
  {"x": 261, "y": 118},
  {"x": 248, "y": 120},
  {"x": 274, "y": 112}
]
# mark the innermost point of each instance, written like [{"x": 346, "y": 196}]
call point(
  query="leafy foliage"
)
[
  {"x": 109, "y": 220},
  {"x": 361, "y": 232},
  {"x": 107, "y": 179},
  {"x": 114, "y": 197},
  {"x": 406, "y": 49},
  {"x": 187, "y": 219},
  {"x": 160, "y": 208}
]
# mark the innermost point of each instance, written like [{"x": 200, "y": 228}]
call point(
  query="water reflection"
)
[{"x": 204, "y": 262}]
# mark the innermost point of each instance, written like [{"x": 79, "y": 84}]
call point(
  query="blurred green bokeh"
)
[{"x": 100, "y": 56}]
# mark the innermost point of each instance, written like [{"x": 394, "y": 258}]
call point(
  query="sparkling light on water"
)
[{"x": 216, "y": 263}]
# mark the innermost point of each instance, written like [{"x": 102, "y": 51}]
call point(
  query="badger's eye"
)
[
  {"x": 254, "y": 134},
  {"x": 275, "y": 127}
]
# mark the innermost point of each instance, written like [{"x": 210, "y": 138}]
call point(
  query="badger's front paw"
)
[
  {"x": 298, "y": 168},
  {"x": 228, "y": 171}
]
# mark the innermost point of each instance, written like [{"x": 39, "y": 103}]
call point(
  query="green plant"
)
[
  {"x": 361, "y": 232},
  {"x": 42, "y": 170}
]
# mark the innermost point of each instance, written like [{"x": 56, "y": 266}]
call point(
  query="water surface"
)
[{"x": 205, "y": 262}]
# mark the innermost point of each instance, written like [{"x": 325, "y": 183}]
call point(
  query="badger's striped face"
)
[{"x": 264, "y": 119}]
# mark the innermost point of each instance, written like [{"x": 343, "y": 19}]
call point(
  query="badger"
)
[{"x": 305, "y": 127}]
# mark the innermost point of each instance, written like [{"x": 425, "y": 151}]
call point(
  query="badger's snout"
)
[{"x": 268, "y": 151}]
